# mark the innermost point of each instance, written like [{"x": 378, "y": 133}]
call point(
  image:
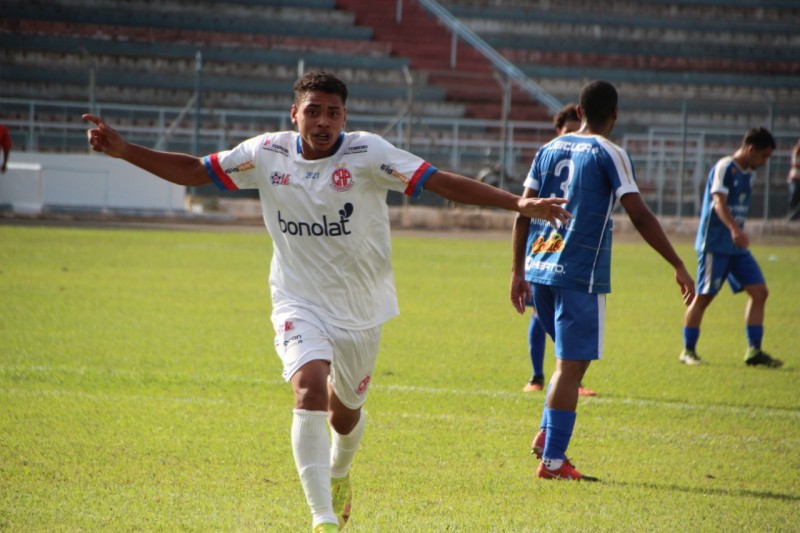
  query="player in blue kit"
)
[
  {"x": 323, "y": 196},
  {"x": 567, "y": 269},
  {"x": 722, "y": 247},
  {"x": 565, "y": 121}
]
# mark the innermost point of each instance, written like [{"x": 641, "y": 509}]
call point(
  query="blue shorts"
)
[
  {"x": 713, "y": 269},
  {"x": 575, "y": 321}
]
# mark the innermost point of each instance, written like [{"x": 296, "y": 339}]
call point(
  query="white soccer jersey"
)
[{"x": 328, "y": 220}]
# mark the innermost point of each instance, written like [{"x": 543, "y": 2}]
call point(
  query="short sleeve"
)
[
  {"x": 235, "y": 169},
  {"x": 718, "y": 177},
  {"x": 532, "y": 180},
  {"x": 620, "y": 169},
  {"x": 399, "y": 170}
]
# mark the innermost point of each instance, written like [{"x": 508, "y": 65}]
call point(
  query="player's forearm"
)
[
  {"x": 651, "y": 231},
  {"x": 519, "y": 237},
  {"x": 181, "y": 169},
  {"x": 463, "y": 190},
  {"x": 724, "y": 214}
]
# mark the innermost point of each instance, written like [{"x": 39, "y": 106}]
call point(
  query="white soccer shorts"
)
[{"x": 301, "y": 337}]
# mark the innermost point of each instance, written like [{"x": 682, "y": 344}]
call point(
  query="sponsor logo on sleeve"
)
[
  {"x": 247, "y": 165},
  {"x": 392, "y": 172}
]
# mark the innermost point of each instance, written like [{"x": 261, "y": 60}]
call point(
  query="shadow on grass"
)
[{"x": 766, "y": 495}]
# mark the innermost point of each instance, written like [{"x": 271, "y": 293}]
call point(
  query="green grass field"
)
[{"x": 139, "y": 391}]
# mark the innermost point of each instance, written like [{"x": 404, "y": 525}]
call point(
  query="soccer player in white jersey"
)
[
  {"x": 567, "y": 269},
  {"x": 722, "y": 248},
  {"x": 323, "y": 194}
]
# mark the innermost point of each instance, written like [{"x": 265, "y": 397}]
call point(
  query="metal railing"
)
[
  {"x": 503, "y": 65},
  {"x": 671, "y": 163}
]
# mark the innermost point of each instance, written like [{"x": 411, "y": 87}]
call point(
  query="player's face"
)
[
  {"x": 757, "y": 158},
  {"x": 319, "y": 117}
]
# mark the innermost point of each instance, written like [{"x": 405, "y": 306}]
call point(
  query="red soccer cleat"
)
[{"x": 566, "y": 472}]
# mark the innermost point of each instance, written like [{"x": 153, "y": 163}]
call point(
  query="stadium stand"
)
[
  {"x": 739, "y": 56},
  {"x": 462, "y": 71},
  {"x": 719, "y": 65},
  {"x": 134, "y": 49}
]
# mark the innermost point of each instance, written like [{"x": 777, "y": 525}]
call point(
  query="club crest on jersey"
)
[
  {"x": 278, "y": 178},
  {"x": 341, "y": 179},
  {"x": 554, "y": 243}
]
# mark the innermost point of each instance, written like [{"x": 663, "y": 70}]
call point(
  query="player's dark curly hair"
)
[
  {"x": 321, "y": 81},
  {"x": 760, "y": 138},
  {"x": 598, "y": 101},
  {"x": 568, "y": 113}
]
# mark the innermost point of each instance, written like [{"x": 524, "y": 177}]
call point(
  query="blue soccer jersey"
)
[
  {"x": 726, "y": 177},
  {"x": 592, "y": 173}
]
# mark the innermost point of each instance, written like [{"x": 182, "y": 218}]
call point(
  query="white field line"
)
[
  {"x": 682, "y": 406},
  {"x": 499, "y": 394}
]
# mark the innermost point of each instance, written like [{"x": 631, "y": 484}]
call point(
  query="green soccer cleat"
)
[
  {"x": 756, "y": 357},
  {"x": 689, "y": 357},
  {"x": 325, "y": 528},
  {"x": 342, "y": 498}
]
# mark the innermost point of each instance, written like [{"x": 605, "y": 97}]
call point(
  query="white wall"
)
[{"x": 36, "y": 182}]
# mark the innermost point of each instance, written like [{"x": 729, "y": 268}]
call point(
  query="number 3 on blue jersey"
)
[{"x": 564, "y": 169}]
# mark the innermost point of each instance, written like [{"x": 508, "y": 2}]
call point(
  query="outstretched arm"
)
[
  {"x": 648, "y": 227},
  {"x": 182, "y": 169},
  {"x": 464, "y": 190}
]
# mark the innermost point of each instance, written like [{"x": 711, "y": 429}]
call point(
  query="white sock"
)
[
  {"x": 344, "y": 447},
  {"x": 552, "y": 464},
  {"x": 311, "y": 448}
]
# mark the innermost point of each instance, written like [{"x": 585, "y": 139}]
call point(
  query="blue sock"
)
[
  {"x": 690, "y": 336},
  {"x": 754, "y": 336},
  {"x": 543, "y": 425},
  {"x": 536, "y": 338},
  {"x": 559, "y": 432}
]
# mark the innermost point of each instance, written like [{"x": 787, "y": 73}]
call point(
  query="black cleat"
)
[{"x": 756, "y": 357}]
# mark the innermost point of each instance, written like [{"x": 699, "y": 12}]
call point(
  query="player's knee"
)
[
  {"x": 311, "y": 398},
  {"x": 343, "y": 423},
  {"x": 342, "y": 418},
  {"x": 759, "y": 293},
  {"x": 310, "y": 386},
  {"x": 700, "y": 302}
]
